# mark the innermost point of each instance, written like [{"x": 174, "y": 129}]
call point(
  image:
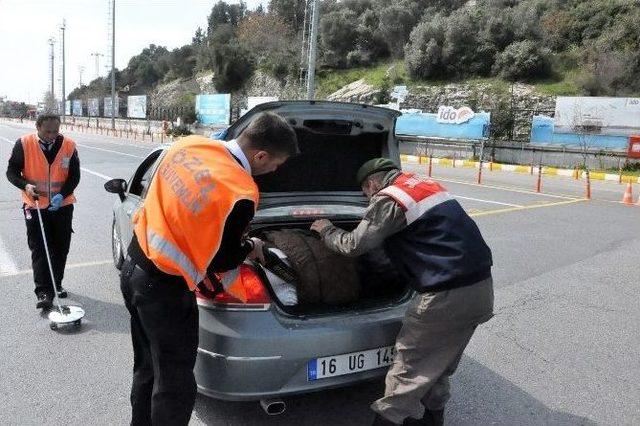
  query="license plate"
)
[{"x": 355, "y": 362}]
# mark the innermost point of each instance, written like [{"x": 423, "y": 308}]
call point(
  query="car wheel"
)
[{"x": 116, "y": 246}]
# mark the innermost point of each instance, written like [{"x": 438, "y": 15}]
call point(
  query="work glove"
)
[
  {"x": 31, "y": 190},
  {"x": 55, "y": 202}
]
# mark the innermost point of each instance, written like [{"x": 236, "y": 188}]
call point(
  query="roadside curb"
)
[{"x": 516, "y": 168}]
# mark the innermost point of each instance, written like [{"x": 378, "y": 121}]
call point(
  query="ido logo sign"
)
[{"x": 450, "y": 115}]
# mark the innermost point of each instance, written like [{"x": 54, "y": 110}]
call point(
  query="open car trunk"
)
[
  {"x": 334, "y": 139},
  {"x": 378, "y": 282}
]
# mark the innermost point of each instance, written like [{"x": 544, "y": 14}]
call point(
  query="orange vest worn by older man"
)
[
  {"x": 48, "y": 178},
  {"x": 180, "y": 226}
]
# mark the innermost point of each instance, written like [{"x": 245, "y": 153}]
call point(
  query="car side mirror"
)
[{"x": 116, "y": 186}]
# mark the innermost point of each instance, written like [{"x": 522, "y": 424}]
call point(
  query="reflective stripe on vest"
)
[
  {"x": 416, "y": 196},
  {"x": 160, "y": 244},
  {"x": 47, "y": 178},
  {"x": 180, "y": 225}
]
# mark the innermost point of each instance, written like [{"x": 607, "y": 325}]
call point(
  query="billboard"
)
[
  {"x": 543, "y": 133},
  {"x": 94, "y": 107},
  {"x": 254, "y": 101},
  {"x": 67, "y": 108},
  {"x": 107, "y": 107},
  {"x": 77, "y": 108},
  {"x": 598, "y": 115},
  {"x": 445, "y": 125},
  {"x": 214, "y": 109},
  {"x": 137, "y": 106}
]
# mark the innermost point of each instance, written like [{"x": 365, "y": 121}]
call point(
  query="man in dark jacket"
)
[
  {"x": 439, "y": 251},
  {"x": 46, "y": 164}
]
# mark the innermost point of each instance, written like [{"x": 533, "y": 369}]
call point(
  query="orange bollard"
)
[
  {"x": 627, "y": 198},
  {"x": 619, "y": 170},
  {"x": 588, "y": 185},
  {"x": 454, "y": 160},
  {"x": 430, "y": 164},
  {"x": 539, "y": 184},
  {"x": 480, "y": 174}
]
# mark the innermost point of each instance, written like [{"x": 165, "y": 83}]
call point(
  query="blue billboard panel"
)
[
  {"x": 94, "y": 107},
  {"x": 137, "y": 106},
  {"x": 107, "y": 107},
  {"x": 432, "y": 125},
  {"x": 214, "y": 109},
  {"x": 543, "y": 133},
  {"x": 77, "y": 108}
]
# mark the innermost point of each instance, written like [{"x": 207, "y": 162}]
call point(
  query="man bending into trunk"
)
[{"x": 439, "y": 251}]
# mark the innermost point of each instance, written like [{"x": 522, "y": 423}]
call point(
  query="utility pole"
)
[
  {"x": 64, "y": 93},
  {"x": 113, "y": 65},
  {"x": 80, "y": 71},
  {"x": 51, "y": 42},
  {"x": 304, "y": 49},
  {"x": 97, "y": 56},
  {"x": 313, "y": 48}
]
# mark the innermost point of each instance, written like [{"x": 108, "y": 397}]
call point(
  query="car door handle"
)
[{"x": 129, "y": 212}]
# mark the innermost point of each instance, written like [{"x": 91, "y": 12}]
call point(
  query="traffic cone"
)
[{"x": 627, "y": 198}]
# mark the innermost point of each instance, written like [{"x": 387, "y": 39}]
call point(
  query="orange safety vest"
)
[
  {"x": 48, "y": 178},
  {"x": 180, "y": 225}
]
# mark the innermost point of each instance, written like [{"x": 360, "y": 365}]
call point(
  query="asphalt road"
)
[{"x": 562, "y": 349}]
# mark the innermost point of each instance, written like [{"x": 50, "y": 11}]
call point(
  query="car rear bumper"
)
[{"x": 247, "y": 356}]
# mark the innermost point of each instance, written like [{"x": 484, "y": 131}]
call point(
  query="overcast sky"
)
[{"x": 26, "y": 25}]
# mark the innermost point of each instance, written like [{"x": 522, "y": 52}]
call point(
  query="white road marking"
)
[
  {"x": 487, "y": 201},
  {"x": 70, "y": 266},
  {"x": 109, "y": 150},
  {"x": 100, "y": 175},
  {"x": 7, "y": 265}
]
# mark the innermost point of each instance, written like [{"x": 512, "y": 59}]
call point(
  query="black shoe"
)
[
  {"x": 381, "y": 421},
  {"x": 44, "y": 301},
  {"x": 62, "y": 293}
]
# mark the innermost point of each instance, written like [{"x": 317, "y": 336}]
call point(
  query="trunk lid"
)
[{"x": 335, "y": 139}]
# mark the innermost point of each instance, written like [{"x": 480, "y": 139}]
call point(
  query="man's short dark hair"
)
[
  {"x": 271, "y": 133},
  {"x": 46, "y": 117}
]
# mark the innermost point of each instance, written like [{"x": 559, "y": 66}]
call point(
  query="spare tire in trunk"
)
[{"x": 324, "y": 276}]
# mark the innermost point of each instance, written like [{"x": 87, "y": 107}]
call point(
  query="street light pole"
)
[
  {"x": 313, "y": 48},
  {"x": 51, "y": 61},
  {"x": 64, "y": 93},
  {"x": 113, "y": 65}
]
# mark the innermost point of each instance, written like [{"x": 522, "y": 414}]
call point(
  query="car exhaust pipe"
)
[{"x": 273, "y": 407}]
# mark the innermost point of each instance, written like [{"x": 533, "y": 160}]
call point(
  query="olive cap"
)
[{"x": 374, "y": 166}]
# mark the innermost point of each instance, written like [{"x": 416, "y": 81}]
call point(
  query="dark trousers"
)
[
  {"x": 57, "y": 227},
  {"x": 164, "y": 331}
]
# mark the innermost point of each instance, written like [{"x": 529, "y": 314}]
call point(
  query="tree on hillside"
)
[
  {"x": 337, "y": 37},
  {"x": 276, "y": 53},
  {"x": 523, "y": 61},
  {"x": 198, "y": 37},
  {"x": 290, "y": 11},
  {"x": 423, "y": 53},
  {"x": 233, "y": 66},
  {"x": 396, "y": 23},
  {"x": 223, "y": 13}
]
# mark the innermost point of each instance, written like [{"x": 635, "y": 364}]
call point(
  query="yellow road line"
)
[
  {"x": 71, "y": 266},
  {"x": 506, "y": 188},
  {"x": 515, "y": 209}
]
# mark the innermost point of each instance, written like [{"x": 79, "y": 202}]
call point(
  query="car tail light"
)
[{"x": 253, "y": 286}]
